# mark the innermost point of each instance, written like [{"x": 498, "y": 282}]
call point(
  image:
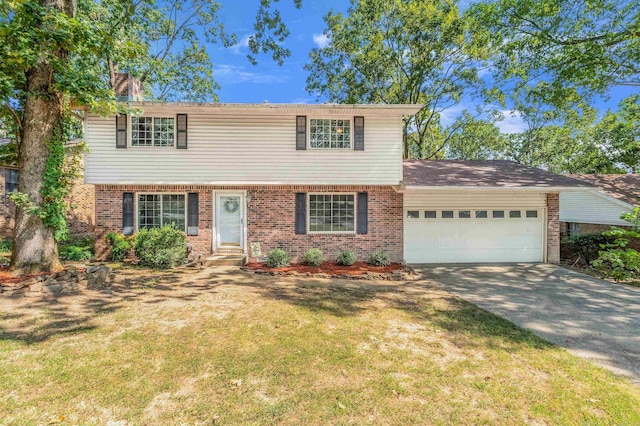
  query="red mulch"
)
[
  {"x": 5, "y": 275},
  {"x": 331, "y": 268}
]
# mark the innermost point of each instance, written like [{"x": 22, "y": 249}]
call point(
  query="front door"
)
[{"x": 230, "y": 218}]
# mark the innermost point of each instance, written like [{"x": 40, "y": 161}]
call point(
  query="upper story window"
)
[
  {"x": 10, "y": 181},
  {"x": 152, "y": 131},
  {"x": 330, "y": 133}
]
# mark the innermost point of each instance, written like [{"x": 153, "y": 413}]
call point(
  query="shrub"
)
[
  {"x": 77, "y": 249},
  {"x": 313, "y": 257},
  {"x": 586, "y": 247},
  {"x": 379, "y": 257},
  {"x": 619, "y": 264},
  {"x": 75, "y": 253},
  {"x": 278, "y": 258},
  {"x": 120, "y": 246},
  {"x": 160, "y": 248},
  {"x": 346, "y": 258},
  {"x": 6, "y": 245}
]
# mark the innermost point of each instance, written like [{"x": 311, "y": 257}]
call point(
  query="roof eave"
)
[{"x": 408, "y": 188}]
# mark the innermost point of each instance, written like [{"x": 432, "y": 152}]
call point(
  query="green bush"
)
[
  {"x": 77, "y": 249},
  {"x": 161, "y": 248},
  {"x": 586, "y": 246},
  {"x": 278, "y": 258},
  {"x": 619, "y": 264},
  {"x": 6, "y": 245},
  {"x": 120, "y": 246},
  {"x": 313, "y": 257},
  {"x": 346, "y": 258},
  {"x": 379, "y": 257},
  {"x": 75, "y": 253}
]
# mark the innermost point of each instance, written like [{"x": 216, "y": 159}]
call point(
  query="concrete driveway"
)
[{"x": 592, "y": 318}]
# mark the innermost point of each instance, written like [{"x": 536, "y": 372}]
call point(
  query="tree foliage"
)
[{"x": 395, "y": 51}]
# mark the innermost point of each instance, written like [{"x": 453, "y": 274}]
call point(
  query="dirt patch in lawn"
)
[{"x": 331, "y": 268}]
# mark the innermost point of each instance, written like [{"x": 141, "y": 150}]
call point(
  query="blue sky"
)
[{"x": 244, "y": 82}]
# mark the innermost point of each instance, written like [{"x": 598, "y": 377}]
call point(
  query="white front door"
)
[{"x": 230, "y": 220}]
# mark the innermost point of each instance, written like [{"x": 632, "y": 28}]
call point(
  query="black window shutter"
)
[
  {"x": 301, "y": 213},
  {"x": 358, "y": 133},
  {"x": 363, "y": 213},
  {"x": 192, "y": 214},
  {"x": 181, "y": 139},
  {"x": 301, "y": 132},
  {"x": 127, "y": 213},
  {"x": 121, "y": 131}
]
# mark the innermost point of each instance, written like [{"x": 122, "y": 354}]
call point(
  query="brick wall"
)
[
  {"x": 270, "y": 218},
  {"x": 553, "y": 228},
  {"x": 80, "y": 216}
]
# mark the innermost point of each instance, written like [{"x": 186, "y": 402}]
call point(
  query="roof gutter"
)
[{"x": 402, "y": 188}]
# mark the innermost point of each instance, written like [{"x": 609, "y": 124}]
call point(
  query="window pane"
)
[
  {"x": 413, "y": 214},
  {"x": 331, "y": 213},
  {"x": 430, "y": 214},
  {"x": 325, "y": 133},
  {"x": 163, "y": 131},
  {"x": 141, "y": 131},
  {"x": 515, "y": 214},
  {"x": 498, "y": 214},
  {"x": 481, "y": 214},
  {"x": 447, "y": 214},
  {"x": 173, "y": 209},
  {"x": 532, "y": 213},
  {"x": 464, "y": 214},
  {"x": 148, "y": 211}
]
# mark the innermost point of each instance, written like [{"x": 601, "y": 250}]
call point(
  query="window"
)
[
  {"x": 413, "y": 214},
  {"x": 498, "y": 214},
  {"x": 332, "y": 213},
  {"x": 573, "y": 229},
  {"x": 464, "y": 214},
  {"x": 515, "y": 214},
  {"x": 447, "y": 214},
  {"x": 330, "y": 133},
  {"x": 481, "y": 214},
  {"x": 10, "y": 181},
  {"x": 430, "y": 214},
  {"x": 532, "y": 214},
  {"x": 156, "y": 210},
  {"x": 148, "y": 131}
]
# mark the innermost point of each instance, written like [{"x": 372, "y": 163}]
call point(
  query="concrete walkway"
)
[{"x": 592, "y": 318}]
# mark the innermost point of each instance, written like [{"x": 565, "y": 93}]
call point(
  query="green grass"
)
[{"x": 184, "y": 348}]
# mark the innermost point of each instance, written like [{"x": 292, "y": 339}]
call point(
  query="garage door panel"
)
[{"x": 475, "y": 240}]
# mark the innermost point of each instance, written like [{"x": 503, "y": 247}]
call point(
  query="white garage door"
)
[{"x": 470, "y": 235}]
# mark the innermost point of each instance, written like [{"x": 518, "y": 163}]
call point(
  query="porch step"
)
[{"x": 225, "y": 260}]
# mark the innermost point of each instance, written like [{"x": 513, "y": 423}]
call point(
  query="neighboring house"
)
[
  {"x": 594, "y": 212},
  {"x": 247, "y": 178},
  {"x": 80, "y": 217}
]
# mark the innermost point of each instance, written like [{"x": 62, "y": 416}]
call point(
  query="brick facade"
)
[
  {"x": 80, "y": 216},
  {"x": 270, "y": 218},
  {"x": 553, "y": 228},
  {"x": 590, "y": 228}
]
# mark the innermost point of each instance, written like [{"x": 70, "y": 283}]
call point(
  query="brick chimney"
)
[{"x": 127, "y": 87}]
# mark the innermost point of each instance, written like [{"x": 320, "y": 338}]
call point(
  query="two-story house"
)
[{"x": 247, "y": 178}]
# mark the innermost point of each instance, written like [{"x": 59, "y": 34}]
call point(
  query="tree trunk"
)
[{"x": 34, "y": 246}]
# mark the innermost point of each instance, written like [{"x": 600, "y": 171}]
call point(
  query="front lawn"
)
[{"x": 215, "y": 348}]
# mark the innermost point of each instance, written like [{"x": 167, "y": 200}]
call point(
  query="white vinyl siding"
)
[
  {"x": 244, "y": 149},
  {"x": 584, "y": 207}
]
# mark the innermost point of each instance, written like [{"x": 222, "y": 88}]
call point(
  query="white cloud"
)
[
  {"x": 231, "y": 74},
  {"x": 512, "y": 122},
  {"x": 321, "y": 40},
  {"x": 241, "y": 45}
]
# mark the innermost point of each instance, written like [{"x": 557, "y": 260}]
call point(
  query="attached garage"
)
[
  {"x": 458, "y": 211},
  {"x": 476, "y": 228}
]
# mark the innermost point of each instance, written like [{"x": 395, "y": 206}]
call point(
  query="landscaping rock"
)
[{"x": 52, "y": 289}]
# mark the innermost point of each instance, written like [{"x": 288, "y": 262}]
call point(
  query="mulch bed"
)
[{"x": 330, "y": 268}]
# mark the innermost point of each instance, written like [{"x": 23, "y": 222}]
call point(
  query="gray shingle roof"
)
[
  {"x": 622, "y": 187},
  {"x": 482, "y": 174}
]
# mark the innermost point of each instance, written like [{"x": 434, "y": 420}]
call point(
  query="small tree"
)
[{"x": 617, "y": 260}]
